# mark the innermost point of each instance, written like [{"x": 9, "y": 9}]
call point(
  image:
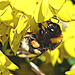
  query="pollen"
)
[
  {"x": 35, "y": 44},
  {"x": 36, "y": 51}
]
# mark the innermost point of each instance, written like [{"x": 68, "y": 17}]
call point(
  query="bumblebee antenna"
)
[{"x": 55, "y": 18}]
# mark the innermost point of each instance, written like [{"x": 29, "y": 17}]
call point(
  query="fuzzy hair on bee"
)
[
  {"x": 47, "y": 38},
  {"x": 30, "y": 44}
]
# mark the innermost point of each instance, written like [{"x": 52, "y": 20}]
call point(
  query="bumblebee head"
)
[{"x": 53, "y": 29}]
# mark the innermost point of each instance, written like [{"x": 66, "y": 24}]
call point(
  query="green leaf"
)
[{"x": 71, "y": 61}]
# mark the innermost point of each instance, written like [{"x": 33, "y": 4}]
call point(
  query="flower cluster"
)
[{"x": 17, "y": 17}]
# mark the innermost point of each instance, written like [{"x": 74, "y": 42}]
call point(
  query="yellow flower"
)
[
  {"x": 54, "y": 55},
  {"x": 6, "y": 64},
  {"x": 69, "y": 38},
  {"x": 51, "y": 57},
  {"x": 67, "y": 12},
  {"x": 21, "y": 16},
  {"x": 4, "y": 71},
  {"x": 72, "y": 71}
]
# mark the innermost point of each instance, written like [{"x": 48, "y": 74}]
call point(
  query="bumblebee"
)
[{"x": 47, "y": 38}]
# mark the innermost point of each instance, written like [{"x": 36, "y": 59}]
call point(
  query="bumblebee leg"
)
[
  {"x": 37, "y": 56},
  {"x": 42, "y": 30},
  {"x": 40, "y": 26}
]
